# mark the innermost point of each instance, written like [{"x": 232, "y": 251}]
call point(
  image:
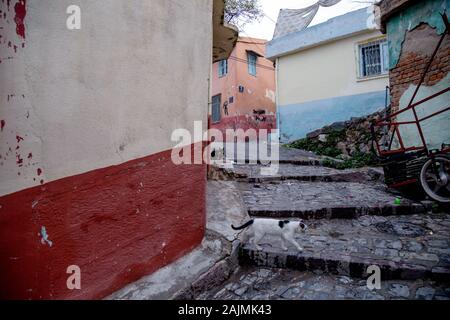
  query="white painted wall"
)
[
  {"x": 435, "y": 129},
  {"x": 326, "y": 71},
  {"x": 110, "y": 92}
]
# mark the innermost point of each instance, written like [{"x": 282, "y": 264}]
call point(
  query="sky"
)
[{"x": 264, "y": 29}]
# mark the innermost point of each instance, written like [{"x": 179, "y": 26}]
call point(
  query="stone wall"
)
[{"x": 347, "y": 139}]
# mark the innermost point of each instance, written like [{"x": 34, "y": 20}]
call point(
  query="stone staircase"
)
[
  {"x": 322, "y": 200},
  {"x": 354, "y": 222},
  {"x": 404, "y": 247}
]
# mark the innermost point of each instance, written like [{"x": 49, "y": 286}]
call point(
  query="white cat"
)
[{"x": 285, "y": 229}]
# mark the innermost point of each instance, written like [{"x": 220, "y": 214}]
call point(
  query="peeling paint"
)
[
  {"x": 423, "y": 12},
  {"x": 44, "y": 237},
  {"x": 2, "y": 124},
  {"x": 19, "y": 19},
  {"x": 19, "y": 160}
]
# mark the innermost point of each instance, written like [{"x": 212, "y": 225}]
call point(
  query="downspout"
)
[{"x": 277, "y": 64}]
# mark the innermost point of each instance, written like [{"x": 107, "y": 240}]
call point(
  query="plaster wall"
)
[
  {"x": 79, "y": 100},
  {"x": 259, "y": 90},
  {"x": 326, "y": 71}
]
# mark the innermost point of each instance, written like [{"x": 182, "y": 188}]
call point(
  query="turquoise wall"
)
[
  {"x": 436, "y": 129},
  {"x": 297, "y": 120},
  {"x": 428, "y": 11}
]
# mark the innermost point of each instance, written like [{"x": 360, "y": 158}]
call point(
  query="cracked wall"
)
[{"x": 414, "y": 34}]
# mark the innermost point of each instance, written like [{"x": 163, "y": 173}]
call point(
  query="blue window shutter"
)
[{"x": 251, "y": 57}]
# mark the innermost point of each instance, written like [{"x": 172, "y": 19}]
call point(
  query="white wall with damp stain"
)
[
  {"x": 111, "y": 92},
  {"x": 326, "y": 71}
]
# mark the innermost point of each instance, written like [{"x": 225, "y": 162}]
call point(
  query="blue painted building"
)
[{"x": 328, "y": 72}]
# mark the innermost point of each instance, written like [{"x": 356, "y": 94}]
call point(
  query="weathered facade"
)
[
  {"x": 244, "y": 91},
  {"x": 414, "y": 30},
  {"x": 329, "y": 72},
  {"x": 86, "y": 177}
]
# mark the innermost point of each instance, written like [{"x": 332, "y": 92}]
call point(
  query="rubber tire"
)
[{"x": 425, "y": 185}]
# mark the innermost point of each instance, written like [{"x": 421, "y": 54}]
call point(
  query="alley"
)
[
  {"x": 354, "y": 222},
  {"x": 224, "y": 149}
]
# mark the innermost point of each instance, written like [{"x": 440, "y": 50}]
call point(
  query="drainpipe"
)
[{"x": 277, "y": 61}]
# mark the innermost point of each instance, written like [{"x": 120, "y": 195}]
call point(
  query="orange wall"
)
[{"x": 256, "y": 88}]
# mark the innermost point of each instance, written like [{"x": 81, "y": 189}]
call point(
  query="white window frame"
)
[
  {"x": 223, "y": 68},
  {"x": 384, "y": 58},
  {"x": 252, "y": 70}
]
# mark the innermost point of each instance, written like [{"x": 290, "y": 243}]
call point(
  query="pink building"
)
[{"x": 243, "y": 89}]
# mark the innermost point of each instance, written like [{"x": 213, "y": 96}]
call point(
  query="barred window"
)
[{"x": 373, "y": 58}]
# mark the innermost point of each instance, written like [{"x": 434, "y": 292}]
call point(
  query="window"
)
[
  {"x": 373, "y": 59},
  {"x": 216, "y": 102},
  {"x": 251, "y": 57},
  {"x": 223, "y": 68}
]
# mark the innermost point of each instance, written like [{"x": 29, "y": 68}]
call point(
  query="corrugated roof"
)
[{"x": 294, "y": 20}]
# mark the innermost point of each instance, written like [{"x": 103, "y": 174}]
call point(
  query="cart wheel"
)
[{"x": 435, "y": 178}]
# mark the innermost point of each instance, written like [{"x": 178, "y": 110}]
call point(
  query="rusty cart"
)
[{"x": 420, "y": 164}]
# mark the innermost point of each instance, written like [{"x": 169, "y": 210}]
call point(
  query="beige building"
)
[{"x": 329, "y": 72}]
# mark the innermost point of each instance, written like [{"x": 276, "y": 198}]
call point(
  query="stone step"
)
[
  {"x": 244, "y": 152},
  {"x": 255, "y": 174},
  {"x": 323, "y": 200},
  {"x": 404, "y": 247},
  {"x": 300, "y": 161}
]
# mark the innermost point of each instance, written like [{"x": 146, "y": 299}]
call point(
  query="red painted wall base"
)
[{"x": 117, "y": 224}]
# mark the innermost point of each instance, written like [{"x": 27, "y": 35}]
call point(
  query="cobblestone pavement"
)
[
  {"x": 407, "y": 247},
  {"x": 321, "y": 200},
  {"x": 281, "y": 284}
]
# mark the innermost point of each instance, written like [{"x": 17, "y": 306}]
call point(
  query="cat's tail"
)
[{"x": 248, "y": 224}]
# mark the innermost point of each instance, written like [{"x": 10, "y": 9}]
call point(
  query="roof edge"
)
[
  {"x": 224, "y": 35},
  {"x": 337, "y": 28},
  {"x": 391, "y": 8}
]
